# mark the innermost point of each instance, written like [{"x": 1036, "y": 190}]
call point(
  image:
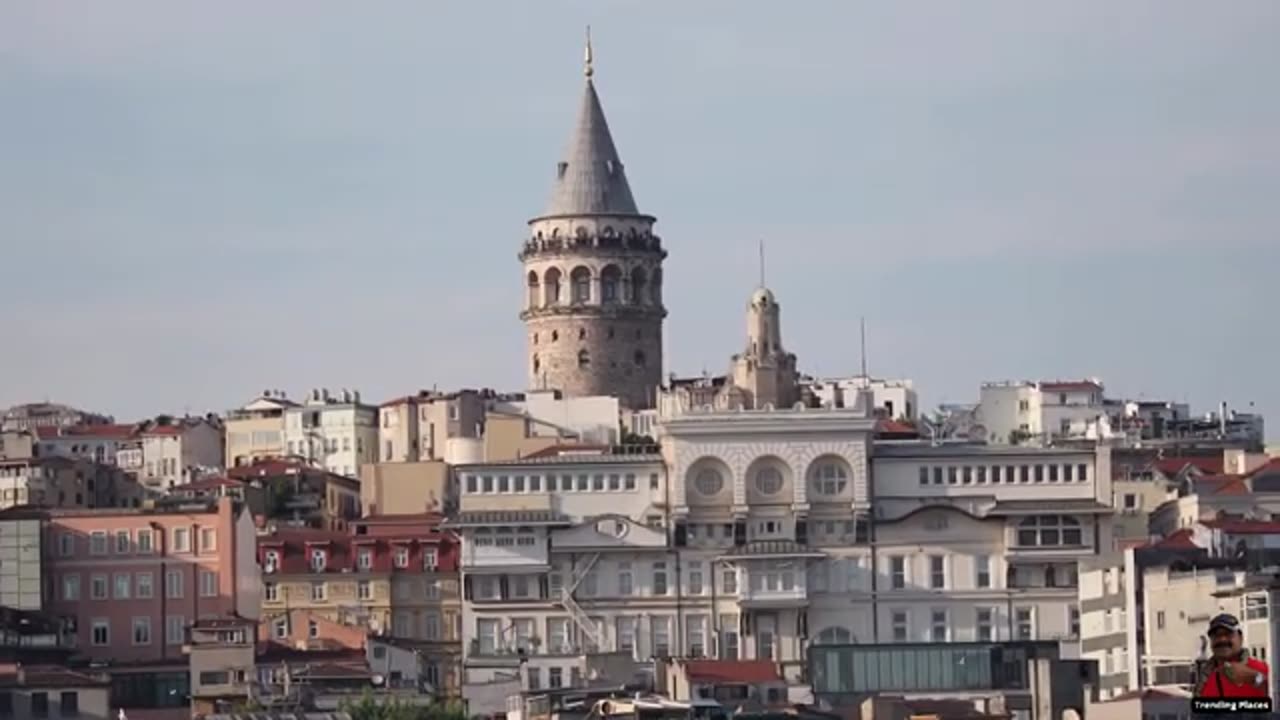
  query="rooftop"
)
[
  {"x": 925, "y": 448},
  {"x": 732, "y": 671}
]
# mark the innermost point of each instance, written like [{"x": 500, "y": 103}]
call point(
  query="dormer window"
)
[
  {"x": 365, "y": 559},
  {"x": 429, "y": 560},
  {"x": 271, "y": 561},
  {"x": 319, "y": 559}
]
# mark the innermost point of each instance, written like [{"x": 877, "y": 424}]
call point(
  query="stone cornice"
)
[{"x": 617, "y": 311}]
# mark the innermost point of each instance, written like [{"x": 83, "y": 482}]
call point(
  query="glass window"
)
[
  {"x": 768, "y": 480},
  {"x": 899, "y": 623},
  {"x": 937, "y": 572}
]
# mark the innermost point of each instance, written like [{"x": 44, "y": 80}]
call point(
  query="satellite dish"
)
[{"x": 377, "y": 680}]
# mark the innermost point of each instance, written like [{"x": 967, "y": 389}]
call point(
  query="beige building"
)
[
  {"x": 48, "y": 691},
  {"x": 431, "y": 426},
  {"x": 256, "y": 430},
  {"x": 400, "y": 488},
  {"x": 173, "y": 451}
]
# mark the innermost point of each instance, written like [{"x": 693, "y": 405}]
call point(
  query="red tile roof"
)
[
  {"x": 209, "y": 484},
  {"x": 400, "y": 401},
  {"x": 1245, "y": 527},
  {"x": 893, "y": 427},
  {"x": 50, "y": 676},
  {"x": 1177, "y": 540},
  {"x": 1220, "y": 485},
  {"x": 1173, "y": 466},
  {"x": 732, "y": 671},
  {"x": 269, "y": 468},
  {"x": 104, "y": 431}
]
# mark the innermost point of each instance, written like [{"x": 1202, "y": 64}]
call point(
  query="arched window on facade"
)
[
  {"x": 551, "y": 287},
  {"x": 534, "y": 299},
  {"x": 584, "y": 359},
  {"x": 610, "y": 284},
  {"x": 639, "y": 285},
  {"x": 580, "y": 279}
]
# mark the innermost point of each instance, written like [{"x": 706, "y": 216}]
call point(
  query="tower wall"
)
[{"x": 593, "y": 308}]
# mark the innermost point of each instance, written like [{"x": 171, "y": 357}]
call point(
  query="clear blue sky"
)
[{"x": 201, "y": 200}]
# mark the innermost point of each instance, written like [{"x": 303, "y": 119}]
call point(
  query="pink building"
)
[{"x": 134, "y": 580}]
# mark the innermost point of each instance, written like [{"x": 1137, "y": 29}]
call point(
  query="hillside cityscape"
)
[{"x": 615, "y": 539}]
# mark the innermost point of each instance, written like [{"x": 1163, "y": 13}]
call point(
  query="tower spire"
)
[{"x": 588, "y": 69}]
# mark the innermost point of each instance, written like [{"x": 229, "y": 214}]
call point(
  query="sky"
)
[{"x": 202, "y": 200}]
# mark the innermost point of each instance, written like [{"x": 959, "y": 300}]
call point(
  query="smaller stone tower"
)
[
  {"x": 593, "y": 274},
  {"x": 765, "y": 371}
]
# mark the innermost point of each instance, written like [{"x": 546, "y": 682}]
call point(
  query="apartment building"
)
[
  {"x": 292, "y": 493},
  {"x": 566, "y": 555},
  {"x": 333, "y": 431},
  {"x": 34, "y": 417},
  {"x": 979, "y": 543},
  {"x": 429, "y": 425},
  {"x": 892, "y": 399},
  {"x": 98, "y": 443},
  {"x": 395, "y": 576},
  {"x": 50, "y": 691},
  {"x": 255, "y": 431},
  {"x": 772, "y": 508},
  {"x": 62, "y": 482},
  {"x": 173, "y": 451}
]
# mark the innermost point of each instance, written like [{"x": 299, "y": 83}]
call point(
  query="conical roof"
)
[{"x": 590, "y": 179}]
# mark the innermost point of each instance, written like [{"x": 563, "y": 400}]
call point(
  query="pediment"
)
[{"x": 608, "y": 531}]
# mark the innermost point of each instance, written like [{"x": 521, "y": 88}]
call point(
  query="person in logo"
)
[{"x": 1230, "y": 672}]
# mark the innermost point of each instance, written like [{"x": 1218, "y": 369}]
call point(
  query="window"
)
[
  {"x": 697, "y": 635},
  {"x": 558, "y": 635},
  {"x": 208, "y": 539},
  {"x": 1082, "y": 471},
  {"x": 982, "y": 568},
  {"x": 898, "y": 572},
  {"x": 40, "y": 704},
  {"x": 69, "y": 703},
  {"x": 937, "y": 572},
  {"x": 1024, "y": 622},
  {"x": 938, "y": 626},
  {"x": 660, "y": 578},
  {"x": 1159, "y": 619},
  {"x": 215, "y": 677},
  {"x": 142, "y": 631},
  {"x": 768, "y": 480},
  {"x": 1049, "y": 531},
  {"x": 98, "y": 542},
  {"x": 313, "y": 629},
  {"x": 429, "y": 560},
  {"x": 708, "y": 482},
  {"x": 364, "y": 559},
  {"x": 830, "y": 478},
  {"x": 985, "y": 623},
  {"x": 270, "y": 592},
  {"x": 123, "y": 543},
  {"x": 952, "y": 475},
  {"x": 100, "y": 634},
  {"x": 1130, "y": 501},
  {"x": 98, "y": 587},
  {"x": 271, "y": 561},
  {"x": 173, "y": 584},
  {"x": 208, "y": 584},
  {"x": 180, "y": 540},
  {"x": 834, "y": 636},
  {"x": 661, "y": 636},
  {"x": 144, "y": 586},
  {"x": 319, "y": 558},
  {"x": 431, "y": 626},
  {"x": 145, "y": 543},
  {"x": 924, "y": 475},
  {"x": 555, "y": 677},
  {"x": 899, "y": 623},
  {"x": 1073, "y": 620},
  {"x": 729, "y": 581},
  {"x": 695, "y": 578},
  {"x": 317, "y": 592},
  {"x": 66, "y": 544},
  {"x": 401, "y": 557},
  {"x": 70, "y": 587}
]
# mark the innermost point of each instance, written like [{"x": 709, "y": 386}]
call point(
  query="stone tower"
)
[
  {"x": 764, "y": 370},
  {"x": 593, "y": 275}
]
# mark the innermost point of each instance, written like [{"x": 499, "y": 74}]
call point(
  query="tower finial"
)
[{"x": 588, "y": 70}]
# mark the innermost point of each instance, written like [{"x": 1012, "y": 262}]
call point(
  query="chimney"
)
[{"x": 1222, "y": 419}]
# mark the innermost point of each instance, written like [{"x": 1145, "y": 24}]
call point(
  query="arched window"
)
[
  {"x": 655, "y": 288},
  {"x": 834, "y": 636},
  {"x": 533, "y": 289},
  {"x": 1049, "y": 531},
  {"x": 584, "y": 359},
  {"x": 551, "y": 287},
  {"x": 638, "y": 286},
  {"x": 537, "y": 365},
  {"x": 828, "y": 477},
  {"x": 769, "y": 480},
  {"x": 580, "y": 279},
  {"x": 610, "y": 284},
  {"x": 708, "y": 482}
]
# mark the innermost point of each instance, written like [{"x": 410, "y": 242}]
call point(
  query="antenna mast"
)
[{"x": 862, "y": 329}]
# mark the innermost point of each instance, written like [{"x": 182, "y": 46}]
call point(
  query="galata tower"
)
[{"x": 593, "y": 273}]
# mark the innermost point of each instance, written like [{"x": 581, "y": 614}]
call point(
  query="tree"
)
[{"x": 369, "y": 707}]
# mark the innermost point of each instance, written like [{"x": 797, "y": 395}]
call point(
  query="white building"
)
[
  {"x": 977, "y": 543},
  {"x": 334, "y": 431},
  {"x": 99, "y": 443},
  {"x": 565, "y": 557},
  {"x": 1011, "y": 412},
  {"x": 173, "y": 453},
  {"x": 895, "y": 399},
  {"x": 594, "y": 419}
]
